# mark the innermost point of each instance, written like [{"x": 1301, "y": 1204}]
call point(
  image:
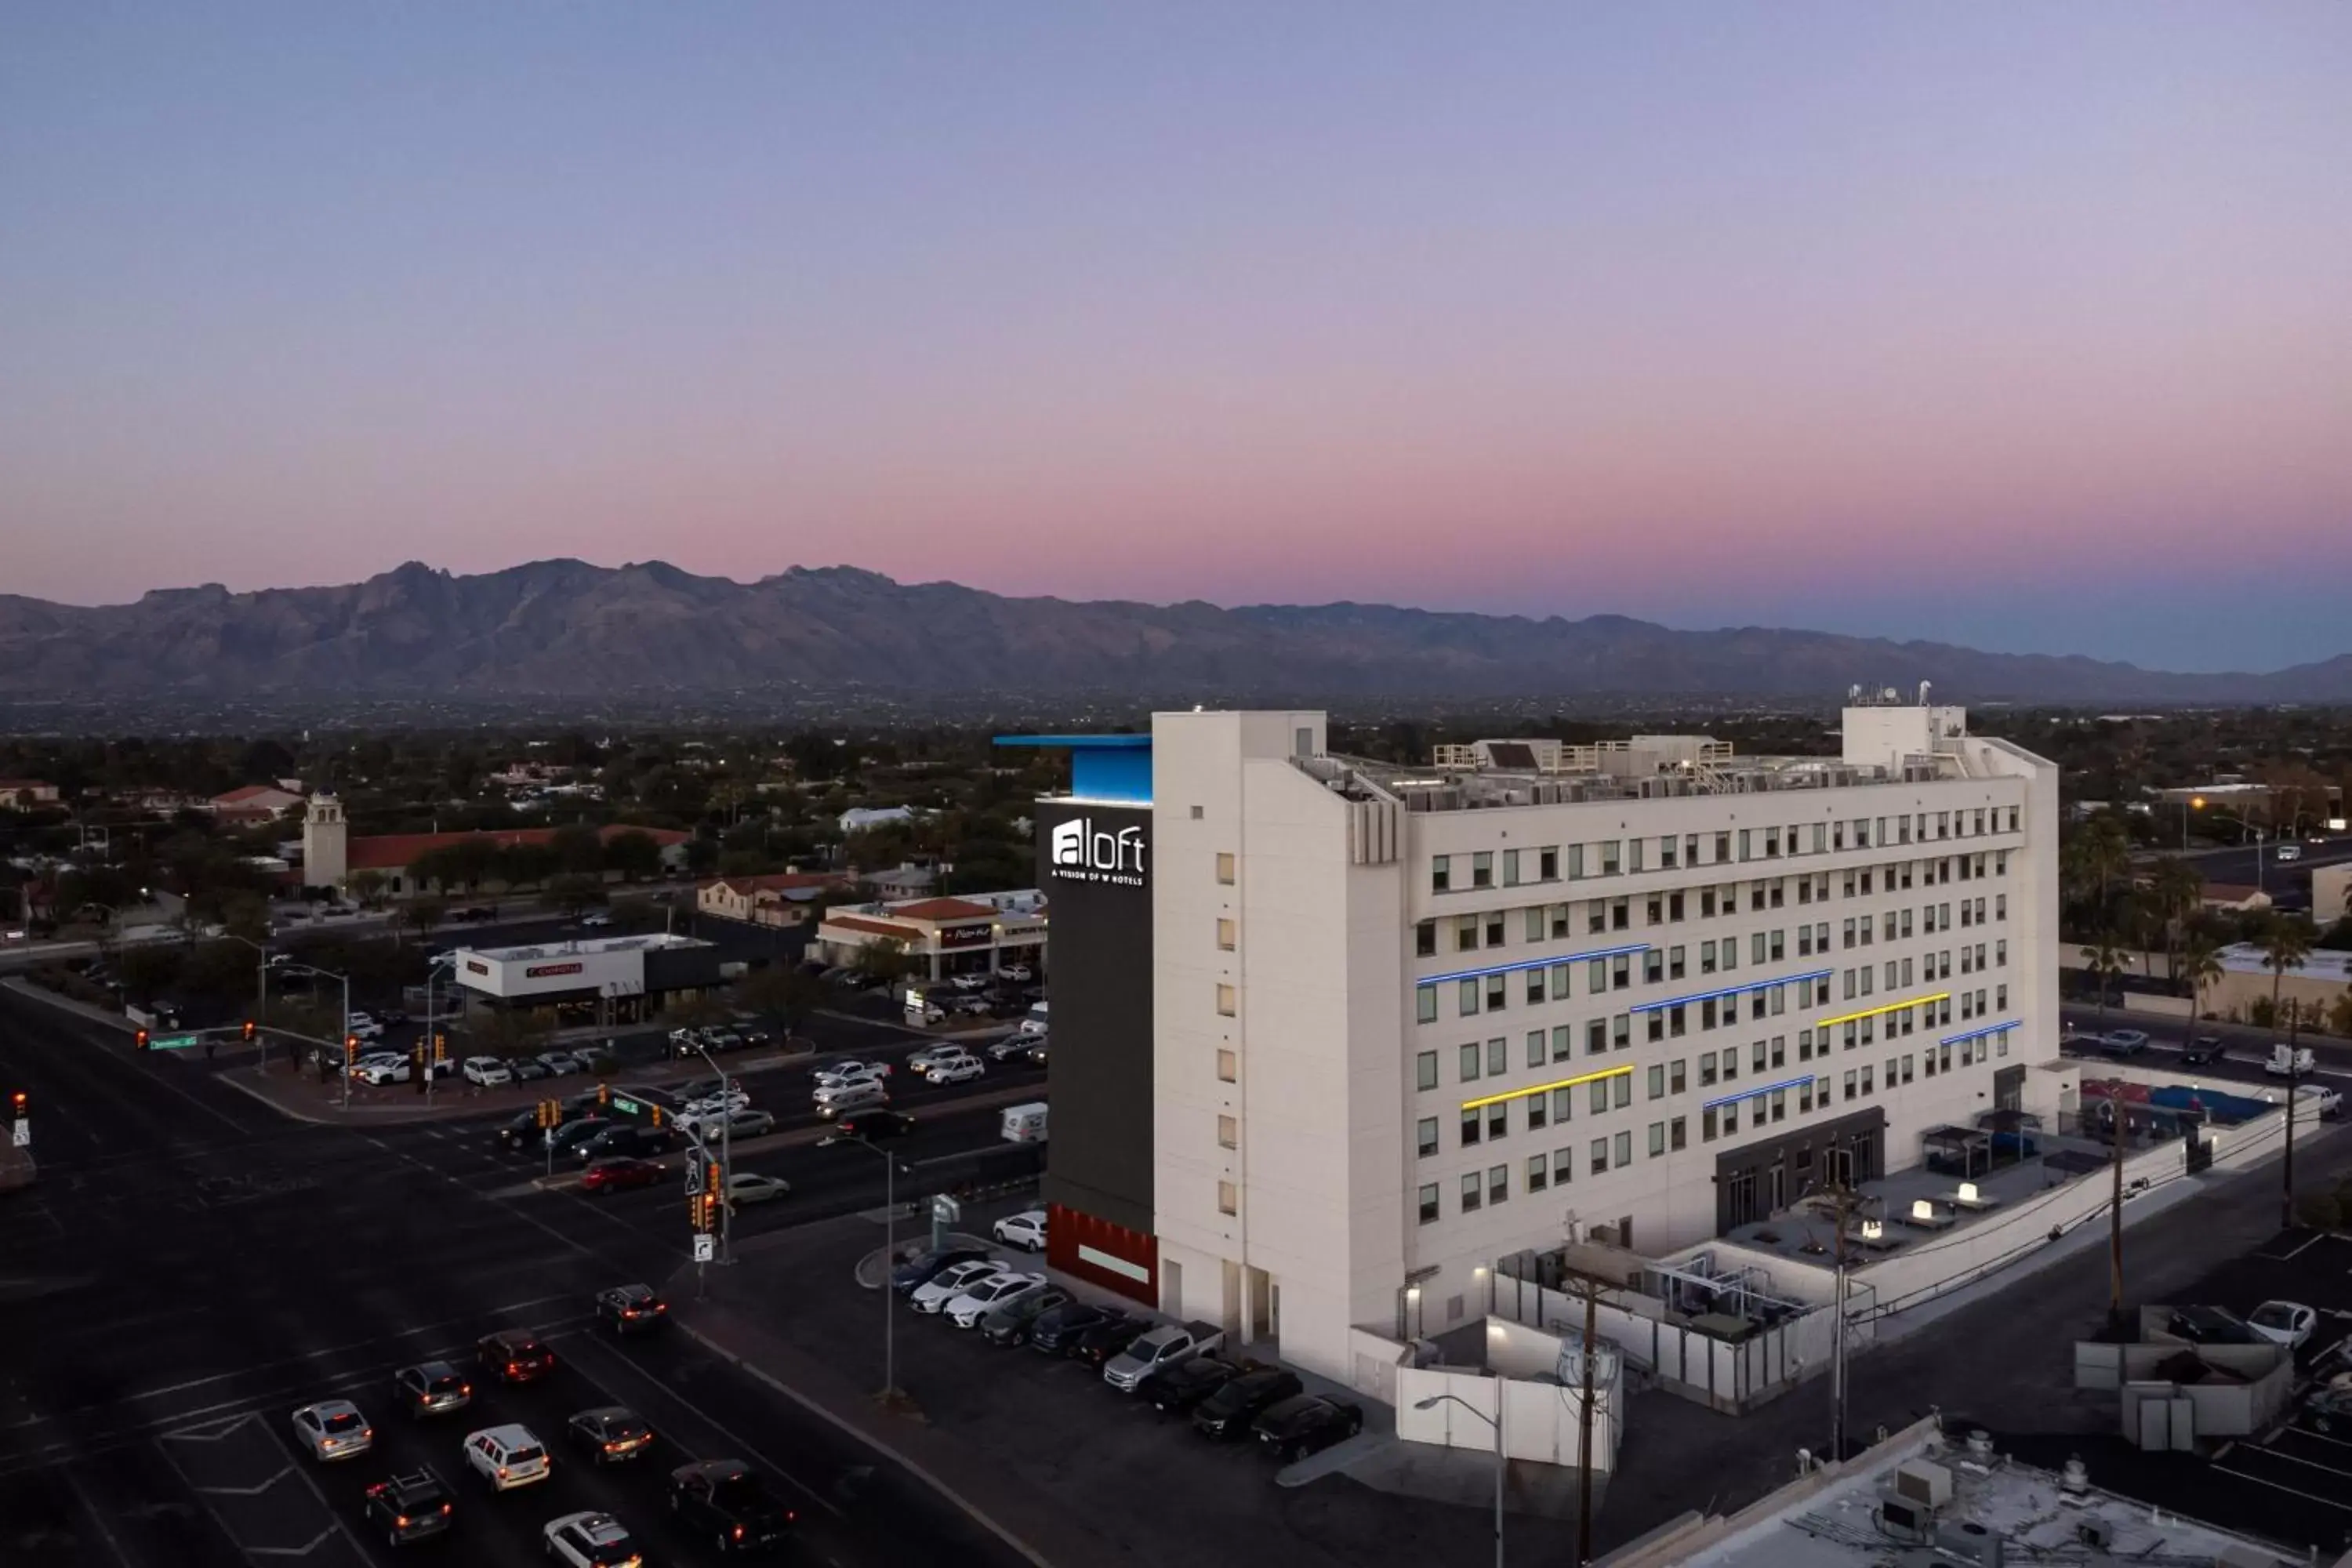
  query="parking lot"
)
[{"x": 1043, "y": 1437}]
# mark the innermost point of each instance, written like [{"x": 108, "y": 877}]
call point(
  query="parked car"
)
[
  {"x": 1025, "y": 1230},
  {"x": 969, "y": 982},
  {"x": 1177, "y": 1388},
  {"x": 529, "y": 1069},
  {"x": 1019, "y": 974},
  {"x": 1168, "y": 1342},
  {"x": 431, "y": 1388},
  {"x": 513, "y": 1356},
  {"x": 2328, "y": 1408},
  {"x": 2124, "y": 1042},
  {"x": 1305, "y": 1423},
  {"x": 596, "y": 922},
  {"x": 2204, "y": 1051},
  {"x": 2287, "y": 1323},
  {"x": 971, "y": 1006},
  {"x": 1229, "y": 1412},
  {"x": 1057, "y": 1331},
  {"x": 408, "y": 1507},
  {"x": 613, "y": 1434},
  {"x": 631, "y": 1309},
  {"x": 1009, "y": 1322},
  {"x": 1100, "y": 1344},
  {"x": 507, "y": 1456},
  {"x": 982, "y": 1295},
  {"x": 560, "y": 1063},
  {"x": 723, "y": 1500},
  {"x": 1010, "y": 1047},
  {"x": 921, "y": 1268},
  {"x": 932, "y": 1296},
  {"x": 333, "y": 1429},
  {"x": 381, "y": 1072}
]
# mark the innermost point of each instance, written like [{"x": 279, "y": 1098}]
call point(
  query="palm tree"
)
[
  {"x": 2175, "y": 889},
  {"x": 2285, "y": 944},
  {"x": 2201, "y": 965},
  {"x": 2102, "y": 854},
  {"x": 2105, "y": 957}
]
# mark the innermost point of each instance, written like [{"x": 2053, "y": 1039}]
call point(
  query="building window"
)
[
  {"x": 1469, "y": 1062},
  {"x": 1498, "y": 1183},
  {"x": 1470, "y": 1127},
  {"x": 1424, "y": 1068},
  {"x": 1229, "y": 1067},
  {"x": 1425, "y": 1136},
  {"x": 1429, "y": 1203},
  {"x": 1440, "y": 872},
  {"x": 1499, "y": 992},
  {"x": 1424, "y": 1004},
  {"x": 1534, "y": 986},
  {"x": 1471, "y": 1196},
  {"x": 1225, "y": 935},
  {"x": 1229, "y": 1198},
  {"x": 1498, "y": 1121},
  {"x": 1562, "y": 1042},
  {"x": 1510, "y": 867},
  {"x": 1494, "y": 929},
  {"x": 1465, "y": 996},
  {"x": 1675, "y": 1135},
  {"x": 1674, "y": 1076},
  {"x": 1539, "y": 1172},
  {"x": 1535, "y": 1047},
  {"x": 1548, "y": 863},
  {"x": 1597, "y": 1094},
  {"x": 1610, "y": 849},
  {"x": 1657, "y": 1138},
  {"x": 1707, "y": 1125},
  {"x": 1225, "y": 868},
  {"x": 1229, "y": 1133},
  {"x": 1465, "y": 934},
  {"x": 1560, "y": 974},
  {"x": 1482, "y": 868},
  {"x": 1228, "y": 1000},
  {"x": 1599, "y": 1155},
  {"x": 1534, "y": 1112},
  {"x": 1657, "y": 1081}
]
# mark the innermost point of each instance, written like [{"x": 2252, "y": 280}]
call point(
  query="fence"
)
[{"x": 1539, "y": 1420}]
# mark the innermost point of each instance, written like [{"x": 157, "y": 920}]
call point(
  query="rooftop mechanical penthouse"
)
[{"x": 1326, "y": 1031}]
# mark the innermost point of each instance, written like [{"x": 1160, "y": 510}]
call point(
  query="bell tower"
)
[{"x": 326, "y": 843}]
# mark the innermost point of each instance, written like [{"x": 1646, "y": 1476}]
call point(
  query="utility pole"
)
[
  {"x": 2116, "y": 1206},
  {"x": 2287, "y": 1172},
  {"x": 1592, "y": 1294},
  {"x": 1842, "y": 1197}
]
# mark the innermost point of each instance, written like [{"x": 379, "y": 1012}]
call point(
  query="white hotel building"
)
[{"x": 1407, "y": 1022}]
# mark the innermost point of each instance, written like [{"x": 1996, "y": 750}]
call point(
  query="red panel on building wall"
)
[{"x": 1071, "y": 1235}]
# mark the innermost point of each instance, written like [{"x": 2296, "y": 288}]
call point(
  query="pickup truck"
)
[
  {"x": 2288, "y": 1061},
  {"x": 1163, "y": 1346}
]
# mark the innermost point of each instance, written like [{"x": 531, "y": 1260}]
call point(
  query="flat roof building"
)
[
  {"x": 970, "y": 933},
  {"x": 607, "y": 979},
  {"x": 1332, "y": 1029}
]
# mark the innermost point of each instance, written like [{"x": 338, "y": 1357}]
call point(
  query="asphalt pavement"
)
[
  {"x": 2249, "y": 867},
  {"x": 191, "y": 1266}
]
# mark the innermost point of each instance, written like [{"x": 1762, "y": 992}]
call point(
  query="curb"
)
[{"x": 859, "y": 1435}]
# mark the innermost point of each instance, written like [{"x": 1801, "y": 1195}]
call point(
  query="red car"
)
[{"x": 619, "y": 1173}]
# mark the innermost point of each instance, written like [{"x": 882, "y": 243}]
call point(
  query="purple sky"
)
[{"x": 2027, "y": 327}]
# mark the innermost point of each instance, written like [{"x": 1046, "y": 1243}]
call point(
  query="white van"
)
[
  {"x": 1024, "y": 1124},
  {"x": 1033, "y": 1023},
  {"x": 2290, "y": 851}
]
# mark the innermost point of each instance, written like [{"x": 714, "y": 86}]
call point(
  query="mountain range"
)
[{"x": 569, "y": 629}]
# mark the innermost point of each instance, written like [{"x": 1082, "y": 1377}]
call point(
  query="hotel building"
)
[{"x": 1328, "y": 1030}]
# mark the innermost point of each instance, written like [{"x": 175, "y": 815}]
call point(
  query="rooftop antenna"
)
[{"x": 1923, "y": 686}]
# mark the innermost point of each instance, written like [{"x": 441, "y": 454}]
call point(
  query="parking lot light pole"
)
[
  {"x": 434, "y": 969},
  {"x": 890, "y": 1395},
  {"x": 1496, "y": 1421}
]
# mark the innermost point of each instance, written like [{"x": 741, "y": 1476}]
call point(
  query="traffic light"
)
[
  {"x": 17, "y": 1106},
  {"x": 656, "y": 1114},
  {"x": 440, "y": 1047},
  {"x": 139, "y": 1041},
  {"x": 248, "y": 1031},
  {"x": 418, "y": 1074},
  {"x": 702, "y": 1208},
  {"x": 350, "y": 1049},
  {"x": 604, "y": 1095},
  {"x": 550, "y": 1113},
  {"x": 710, "y": 1179}
]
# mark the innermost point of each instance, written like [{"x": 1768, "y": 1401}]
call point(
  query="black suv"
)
[
  {"x": 431, "y": 1388},
  {"x": 1175, "y": 1389},
  {"x": 408, "y": 1508},
  {"x": 514, "y": 1356},
  {"x": 627, "y": 1138},
  {"x": 572, "y": 1134},
  {"x": 917, "y": 1272},
  {"x": 2203, "y": 1051},
  {"x": 722, "y": 1499},
  {"x": 1229, "y": 1411},
  {"x": 631, "y": 1309},
  {"x": 1306, "y": 1423}
]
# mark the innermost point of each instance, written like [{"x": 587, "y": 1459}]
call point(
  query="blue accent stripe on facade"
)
[
  {"x": 1759, "y": 1089},
  {"x": 1729, "y": 991},
  {"x": 1980, "y": 1033},
  {"x": 1532, "y": 963},
  {"x": 1113, "y": 769}
]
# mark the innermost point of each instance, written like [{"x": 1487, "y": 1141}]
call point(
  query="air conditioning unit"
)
[
  {"x": 1966, "y": 1541},
  {"x": 2095, "y": 1533},
  {"x": 1930, "y": 1486},
  {"x": 1907, "y": 1522}
]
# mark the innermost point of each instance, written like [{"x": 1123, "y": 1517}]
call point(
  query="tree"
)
[
  {"x": 508, "y": 1031},
  {"x": 2093, "y": 859},
  {"x": 246, "y": 915},
  {"x": 527, "y": 865},
  {"x": 574, "y": 891},
  {"x": 2339, "y": 1013},
  {"x": 2201, "y": 965},
  {"x": 2106, "y": 958},
  {"x": 884, "y": 959},
  {"x": 634, "y": 855},
  {"x": 785, "y": 990},
  {"x": 2176, "y": 892},
  {"x": 577, "y": 848},
  {"x": 424, "y": 916},
  {"x": 368, "y": 888},
  {"x": 2285, "y": 944}
]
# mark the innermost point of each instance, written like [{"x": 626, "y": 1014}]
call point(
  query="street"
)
[{"x": 191, "y": 1266}]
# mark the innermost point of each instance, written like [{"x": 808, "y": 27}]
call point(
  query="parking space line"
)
[
  {"x": 2293, "y": 1460},
  {"x": 715, "y": 1426},
  {"x": 2335, "y": 1503},
  {"x": 316, "y": 1542},
  {"x": 337, "y": 1524},
  {"x": 97, "y": 1514}
]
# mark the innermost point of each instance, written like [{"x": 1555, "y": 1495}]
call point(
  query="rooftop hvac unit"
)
[
  {"x": 1966, "y": 1541},
  {"x": 1923, "y": 1483},
  {"x": 2095, "y": 1533},
  {"x": 1907, "y": 1522}
]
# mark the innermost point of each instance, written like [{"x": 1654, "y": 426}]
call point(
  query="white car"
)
[
  {"x": 382, "y": 1072},
  {"x": 841, "y": 1073},
  {"x": 507, "y": 1456},
  {"x": 936, "y": 1293},
  {"x": 969, "y": 982},
  {"x": 929, "y": 1057},
  {"x": 956, "y": 1069},
  {"x": 1025, "y": 1229},
  {"x": 592, "y": 1541},
  {"x": 750, "y": 1187},
  {"x": 993, "y": 1291},
  {"x": 367, "y": 1028},
  {"x": 2287, "y": 1323},
  {"x": 333, "y": 1429},
  {"x": 1019, "y": 974},
  {"x": 750, "y": 1124},
  {"x": 832, "y": 1102},
  {"x": 724, "y": 1103},
  {"x": 595, "y": 920},
  {"x": 360, "y": 1015},
  {"x": 488, "y": 1072}
]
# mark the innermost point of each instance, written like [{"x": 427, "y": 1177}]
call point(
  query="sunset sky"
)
[{"x": 2028, "y": 326}]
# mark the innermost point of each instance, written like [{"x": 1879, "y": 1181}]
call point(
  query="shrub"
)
[{"x": 2319, "y": 1210}]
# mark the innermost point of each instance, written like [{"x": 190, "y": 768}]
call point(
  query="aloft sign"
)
[{"x": 1081, "y": 852}]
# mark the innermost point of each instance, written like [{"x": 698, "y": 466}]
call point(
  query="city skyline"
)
[{"x": 2028, "y": 337}]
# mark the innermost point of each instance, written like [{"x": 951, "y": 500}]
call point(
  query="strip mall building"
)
[{"x": 1327, "y": 1029}]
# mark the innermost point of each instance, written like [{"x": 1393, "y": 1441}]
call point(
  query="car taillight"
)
[
  {"x": 513, "y": 1369},
  {"x": 401, "y": 1522},
  {"x": 738, "y": 1532},
  {"x": 465, "y": 1388},
  {"x": 444, "y": 1508},
  {"x": 502, "y": 1472}
]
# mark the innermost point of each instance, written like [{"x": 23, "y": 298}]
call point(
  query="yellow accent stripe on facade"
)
[{"x": 1547, "y": 1088}]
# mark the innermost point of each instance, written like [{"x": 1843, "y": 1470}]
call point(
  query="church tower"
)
[{"x": 326, "y": 843}]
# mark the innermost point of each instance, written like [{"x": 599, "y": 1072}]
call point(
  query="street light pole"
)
[
  {"x": 1496, "y": 1421},
  {"x": 890, "y": 1261}
]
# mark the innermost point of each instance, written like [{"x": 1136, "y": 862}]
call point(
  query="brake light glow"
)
[
  {"x": 401, "y": 1522},
  {"x": 738, "y": 1532},
  {"x": 444, "y": 1508},
  {"x": 513, "y": 1369}
]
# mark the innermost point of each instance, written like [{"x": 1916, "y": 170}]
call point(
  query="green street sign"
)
[
  {"x": 627, "y": 1107},
  {"x": 173, "y": 1042}
]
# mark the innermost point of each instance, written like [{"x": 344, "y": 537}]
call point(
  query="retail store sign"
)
[
  {"x": 1085, "y": 853},
  {"x": 541, "y": 971}
]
